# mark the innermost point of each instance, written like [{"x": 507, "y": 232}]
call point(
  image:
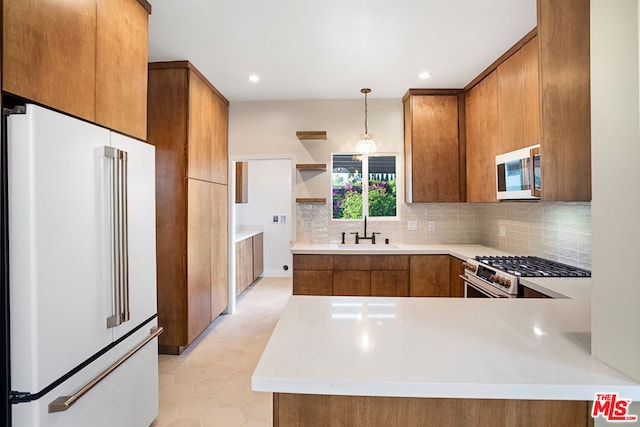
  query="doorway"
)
[{"x": 266, "y": 206}]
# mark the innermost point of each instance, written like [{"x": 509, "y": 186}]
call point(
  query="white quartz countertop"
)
[
  {"x": 438, "y": 347},
  {"x": 459, "y": 251},
  {"x": 245, "y": 233}
]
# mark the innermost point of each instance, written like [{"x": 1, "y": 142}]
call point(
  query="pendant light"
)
[{"x": 366, "y": 145}]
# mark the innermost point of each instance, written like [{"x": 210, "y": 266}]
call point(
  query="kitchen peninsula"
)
[{"x": 437, "y": 361}]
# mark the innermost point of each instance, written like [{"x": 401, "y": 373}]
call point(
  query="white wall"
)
[
  {"x": 269, "y": 128},
  {"x": 269, "y": 193},
  {"x": 615, "y": 132}
]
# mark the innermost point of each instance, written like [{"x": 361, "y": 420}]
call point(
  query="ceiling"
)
[{"x": 330, "y": 49}]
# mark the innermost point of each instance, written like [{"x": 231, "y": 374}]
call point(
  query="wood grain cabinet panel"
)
[
  {"x": 121, "y": 66},
  {"x": 192, "y": 274},
  {"x": 258, "y": 255},
  {"x": 49, "y": 53},
  {"x": 481, "y": 120},
  {"x": 390, "y": 262},
  {"x": 456, "y": 284},
  {"x": 87, "y": 58},
  {"x": 312, "y": 282},
  {"x": 429, "y": 276},
  {"x": 352, "y": 262},
  {"x": 220, "y": 138},
  {"x": 244, "y": 264},
  {"x": 219, "y": 257},
  {"x": 518, "y": 105},
  {"x": 390, "y": 283},
  {"x": 432, "y": 160},
  {"x": 198, "y": 256},
  {"x": 565, "y": 90},
  {"x": 312, "y": 262},
  {"x": 352, "y": 283},
  {"x": 200, "y": 129}
]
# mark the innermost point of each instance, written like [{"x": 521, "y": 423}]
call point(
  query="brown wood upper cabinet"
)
[
  {"x": 538, "y": 92},
  {"x": 431, "y": 145},
  {"x": 86, "y": 58},
  {"x": 481, "y": 114}
]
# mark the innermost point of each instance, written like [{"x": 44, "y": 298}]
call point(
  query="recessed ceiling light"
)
[
  {"x": 424, "y": 75},
  {"x": 254, "y": 78}
]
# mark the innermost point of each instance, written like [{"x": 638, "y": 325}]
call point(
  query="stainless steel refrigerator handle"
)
[
  {"x": 63, "y": 403},
  {"x": 124, "y": 195},
  {"x": 113, "y": 153}
]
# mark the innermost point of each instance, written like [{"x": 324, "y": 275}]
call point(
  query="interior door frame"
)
[{"x": 231, "y": 225}]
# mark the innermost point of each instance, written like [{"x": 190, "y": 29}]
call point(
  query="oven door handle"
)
[{"x": 480, "y": 289}]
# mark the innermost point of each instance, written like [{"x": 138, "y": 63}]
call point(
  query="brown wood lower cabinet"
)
[
  {"x": 377, "y": 275},
  {"x": 249, "y": 261},
  {"x": 311, "y": 410},
  {"x": 456, "y": 284},
  {"x": 429, "y": 276},
  {"x": 352, "y": 283},
  {"x": 389, "y": 283}
]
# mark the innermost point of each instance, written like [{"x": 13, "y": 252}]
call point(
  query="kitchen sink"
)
[{"x": 366, "y": 247}]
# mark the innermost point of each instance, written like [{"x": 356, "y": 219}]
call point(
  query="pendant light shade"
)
[{"x": 366, "y": 145}]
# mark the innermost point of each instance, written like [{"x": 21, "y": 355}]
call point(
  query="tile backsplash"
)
[{"x": 558, "y": 231}]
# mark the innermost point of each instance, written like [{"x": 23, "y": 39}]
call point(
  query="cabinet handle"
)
[{"x": 63, "y": 403}]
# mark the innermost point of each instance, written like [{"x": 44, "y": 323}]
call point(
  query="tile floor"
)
[{"x": 210, "y": 383}]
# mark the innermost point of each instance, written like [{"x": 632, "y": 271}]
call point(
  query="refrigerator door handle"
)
[
  {"x": 124, "y": 229},
  {"x": 63, "y": 403},
  {"x": 119, "y": 245}
]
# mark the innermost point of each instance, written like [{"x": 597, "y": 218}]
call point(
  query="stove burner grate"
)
[{"x": 532, "y": 266}]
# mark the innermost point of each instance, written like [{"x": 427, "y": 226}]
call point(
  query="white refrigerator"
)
[{"x": 80, "y": 253}]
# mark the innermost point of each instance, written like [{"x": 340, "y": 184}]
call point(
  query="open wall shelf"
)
[
  {"x": 312, "y": 135},
  {"x": 311, "y": 200},
  {"x": 311, "y": 166}
]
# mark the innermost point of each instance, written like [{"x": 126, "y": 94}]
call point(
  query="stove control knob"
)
[{"x": 495, "y": 279}]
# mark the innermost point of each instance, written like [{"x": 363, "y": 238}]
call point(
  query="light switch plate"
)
[
  {"x": 412, "y": 225},
  {"x": 431, "y": 226},
  {"x": 503, "y": 231}
]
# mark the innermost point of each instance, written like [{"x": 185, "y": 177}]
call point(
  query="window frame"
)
[{"x": 365, "y": 188}]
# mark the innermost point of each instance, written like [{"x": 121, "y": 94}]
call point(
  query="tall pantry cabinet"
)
[{"x": 188, "y": 124}]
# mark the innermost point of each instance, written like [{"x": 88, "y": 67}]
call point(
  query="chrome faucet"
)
[{"x": 365, "y": 237}]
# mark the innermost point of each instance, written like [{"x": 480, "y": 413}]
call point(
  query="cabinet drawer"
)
[
  {"x": 351, "y": 283},
  {"x": 390, "y": 262},
  {"x": 312, "y": 262},
  {"x": 352, "y": 262},
  {"x": 389, "y": 283},
  {"x": 310, "y": 282}
]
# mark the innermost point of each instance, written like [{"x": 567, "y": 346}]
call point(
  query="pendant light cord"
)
[{"x": 365, "y": 113}]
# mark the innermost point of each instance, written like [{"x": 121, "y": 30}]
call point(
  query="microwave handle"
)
[{"x": 532, "y": 154}]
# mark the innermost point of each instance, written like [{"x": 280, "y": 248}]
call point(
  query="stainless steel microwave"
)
[{"x": 518, "y": 174}]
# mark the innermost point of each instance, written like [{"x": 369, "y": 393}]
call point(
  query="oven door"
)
[{"x": 475, "y": 289}]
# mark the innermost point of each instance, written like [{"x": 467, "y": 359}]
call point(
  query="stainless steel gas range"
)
[{"x": 498, "y": 276}]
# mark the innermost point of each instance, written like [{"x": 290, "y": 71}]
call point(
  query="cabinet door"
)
[
  {"x": 456, "y": 288},
  {"x": 352, "y": 283},
  {"x": 518, "y": 105},
  {"x": 220, "y": 139},
  {"x": 49, "y": 53},
  {"x": 219, "y": 257},
  {"x": 198, "y": 257},
  {"x": 121, "y": 66},
  {"x": 312, "y": 282},
  {"x": 244, "y": 265},
  {"x": 429, "y": 276},
  {"x": 200, "y": 128},
  {"x": 481, "y": 118},
  {"x": 433, "y": 145},
  {"x": 258, "y": 255},
  {"x": 390, "y": 283}
]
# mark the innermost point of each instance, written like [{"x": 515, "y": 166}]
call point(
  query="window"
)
[{"x": 363, "y": 185}]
